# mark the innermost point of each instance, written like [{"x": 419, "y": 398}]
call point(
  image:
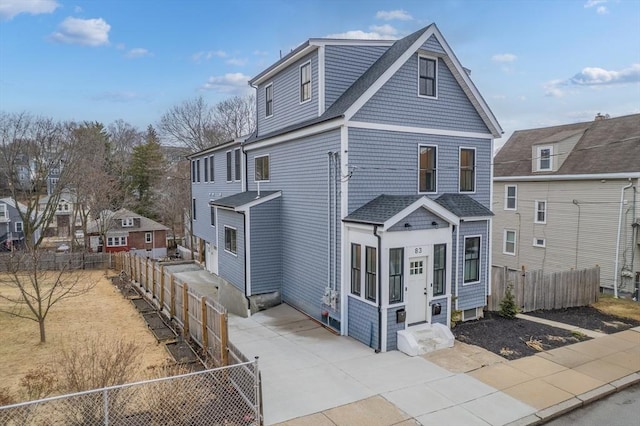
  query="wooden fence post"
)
[
  {"x": 161, "y": 286},
  {"x": 185, "y": 309},
  {"x": 146, "y": 275},
  {"x": 224, "y": 339},
  {"x": 172, "y": 302},
  {"x": 205, "y": 334}
]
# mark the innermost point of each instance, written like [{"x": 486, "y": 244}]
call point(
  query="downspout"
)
[
  {"x": 615, "y": 272},
  {"x": 329, "y": 219},
  {"x": 245, "y": 176},
  {"x": 379, "y": 275},
  {"x": 246, "y": 264},
  {"x": 336, "y": 170},
  {"x": 457, "y": 262},
  {"x": 634, "y": 227}
]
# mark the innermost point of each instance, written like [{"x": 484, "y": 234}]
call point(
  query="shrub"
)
[
  {"x": 38, "y": 383},
  {"x": 508, "y": 307}
]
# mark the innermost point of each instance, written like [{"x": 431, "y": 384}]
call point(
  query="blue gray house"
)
[
  {"x": 12, "y": 226},
  {"x": 363, "y": 197}
]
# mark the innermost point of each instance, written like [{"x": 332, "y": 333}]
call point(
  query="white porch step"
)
[{"x": 424, "y": 338}]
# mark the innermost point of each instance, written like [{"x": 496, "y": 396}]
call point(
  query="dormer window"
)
[
  {"x": 427, "y": 77},
  {"x": 127, "y": 222},
  {"x": 305, "y": 82},
  {"x": 544, "y": 155},
  {"x": 268, "y": 100}
]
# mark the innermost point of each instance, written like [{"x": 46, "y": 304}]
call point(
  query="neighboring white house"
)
[{"x": 566, "y": 197}]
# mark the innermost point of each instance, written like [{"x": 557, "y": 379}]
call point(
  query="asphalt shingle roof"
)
[
  {"x": 606, "y": 146},
  {"x": 240, "y": 199},
  {"x": 463, "y": 206}
]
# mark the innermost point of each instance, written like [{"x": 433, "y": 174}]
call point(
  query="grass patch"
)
[{"x": 624, "y": 308}]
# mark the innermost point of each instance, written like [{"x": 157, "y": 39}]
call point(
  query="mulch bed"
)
[
  {"x": 509, "y": 337},
  {"x": 589, "y": 318}
]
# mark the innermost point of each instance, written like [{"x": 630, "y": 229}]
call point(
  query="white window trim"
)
[
  {"x": 254, "y": 168},
  {"x": 420, "y": 146},
  {"x": 539, "y": 158},
  {"x": 127, "y": 222},
  {"x": 265, "y": 100},
  {"x": 212, "y": 168},
  {"x": 225, "y": 240},
  {"x": 464, "y": 244},
  {"x": 235, "y": 172},
  {"x": 122, "y": 241},
  {"x": 228, "y": 154},
  {"x": 505, "y": 241},
  {"x": 148, "y": 237},
  {"x": 300, "y": 83},
  {"x": 506, "y": 197},
  {"x": 21, "y": 226},
  {"x": 5, "y": 211},
  {"x": 535, "y": 211},
  {"x": 215, "y": 216},
  {"x": 475, "y": 168},
  {"x": 535, "y": 242},
  {"x": 194, "y": 205},
  {"x": 434, "y": 58}
]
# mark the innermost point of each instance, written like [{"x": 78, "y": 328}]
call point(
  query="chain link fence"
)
[{"x": 222, "y": 396}]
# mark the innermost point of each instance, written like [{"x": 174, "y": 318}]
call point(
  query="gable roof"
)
[
  {"x": 379, "y": 72},
  {"x": 463, "y": 206},
  {"x": 382, "y": 208},
  {"x": 146, "y": 224},
  {"x": 606, "y": 146}
]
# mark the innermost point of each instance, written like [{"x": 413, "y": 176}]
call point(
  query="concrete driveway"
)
[{"x": 307, "y": 369}]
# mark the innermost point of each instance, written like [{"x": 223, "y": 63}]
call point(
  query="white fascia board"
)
[
  {"x": 321, "y": 81},
  {"x": 215, "y": 148},
  {"x": 367, "y": 227},
  {"x": 246, "y": 207},
  {"x": 297, "y": 134},
  {"x": 419, "y": 130},
  {"x": 462, "y": 74},
  {"x": 542, "y": 178},
  {"x": 475, "y": 218},
  {"x": 389, "y": 72},
  {"x": 301, "y": 54},
  {"x": 428, "y": 204},
  {"x": 349, "y": 42}
]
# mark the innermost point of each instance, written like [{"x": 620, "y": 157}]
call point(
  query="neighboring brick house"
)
[
  {"x": 566, "y": 197},
  {"x": 127, "y": 231},
  {"x": 364, "y": 193}
]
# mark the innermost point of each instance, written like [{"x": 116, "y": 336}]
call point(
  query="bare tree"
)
[
  {"x": 236, "y": 116},
  {"x": 37, "y": 145},
  {"x": 191, "y": 124}
]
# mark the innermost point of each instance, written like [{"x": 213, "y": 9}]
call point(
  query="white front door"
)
[
  {"x": 416, "y": 290},
  {"x": 211, "y": 258}
]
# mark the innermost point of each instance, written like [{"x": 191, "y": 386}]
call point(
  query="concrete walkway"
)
[{"x": 313, "y": 377}]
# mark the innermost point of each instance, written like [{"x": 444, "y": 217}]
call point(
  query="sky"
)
[{"x": 537, "y": 63}]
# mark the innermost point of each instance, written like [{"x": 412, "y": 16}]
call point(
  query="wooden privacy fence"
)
[
  {"x": 199, "y": 318},
  {"x": 534, "y": 290},
  {"x": 49, "y": 261}
]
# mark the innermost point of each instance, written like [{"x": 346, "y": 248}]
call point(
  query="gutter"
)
[
  {"x": 594, "y": 176},
  {"x": 379, "y": 275},
  {"x": 615, "y": 271}
]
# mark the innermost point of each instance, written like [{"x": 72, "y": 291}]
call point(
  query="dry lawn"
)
[
  {"x": 625, "y": 308},
  {"x": 102, "y": 312}
]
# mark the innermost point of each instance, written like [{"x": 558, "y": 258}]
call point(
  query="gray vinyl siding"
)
[
  {"x": 433, "y": 45},
  {"x": 393, "y": 326},
  {"x": 363, "y": 322},
  {"x": 344, "y": 65},
  {"x": 397, "y": 102},
  {"x": 384, "y": 162},
  {"x": 287, "y": 109},
  {"x": 231, "y": 267},
  {"x": 472, "y": 295},
  {"x": 419, "y": 219},
  {"x": 266, "y": 247},
  {"x": 299, "y": 169},
  {"x": 204, "y": 192},
  {"x": 444, "y": 314}
]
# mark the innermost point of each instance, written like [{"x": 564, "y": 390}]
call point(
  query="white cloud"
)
[
  {"x": 236, "y": 61},
  {"x": 592, "y": 3},
  {"x": 208, "y": 54},
  {"x": 593, "y": 77},
  {"x": 88, "y": 32},
  {"x": 77, "y": 9},
  {"x": 598, "y": 4},
  {"x": 602, "y": 10},
  {"x": 231, "y": 83},
  {"x": 553, "y": 88},
  {"x": 378, "y": 32},
  {"x": 389, "y": 15},
  {"x": 504, "y": 57},
  {"x": 260, "y": 52},
  {"x": 138, "y": 52},
  {"x": 11, "y": 8}
]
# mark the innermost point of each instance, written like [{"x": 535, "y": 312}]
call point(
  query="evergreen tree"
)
[{"x": 145, "y": 171}]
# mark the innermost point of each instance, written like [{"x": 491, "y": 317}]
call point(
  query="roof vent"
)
[{"x": 601, "y": 117}]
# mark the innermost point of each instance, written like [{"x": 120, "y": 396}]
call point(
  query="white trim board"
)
[
  {"x": 313, "y": 129},
  {"x": 418, "y": 130},
  {"x": 594, "y": 176}
]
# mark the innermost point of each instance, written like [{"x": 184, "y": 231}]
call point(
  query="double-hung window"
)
[
  {"x": 206, "y": 169},
  {"x": 3, "y": 211},
  {"x": 467, "y": 170},
  {"x": 544, "y": 156},
  {"x": 427, "y": 77},
  {"x": 198, "y": 170},
  {"x": 230, "y": 240},
  {"x": 427, "y": 174},
  {"x": 211, "y": 170},
  {"x": 371, "y": 269},
  {"x": 127, "y": 222},
  {"x": 541, "y": 212},
  {"x": 356, "y": 269},
  {"x": 471, "y": 259},
  {"x": 229, "y": 165},
  {"x": 262, "y": 168},
  {"x": 148, "y": 237},
  {"x": 19, "y": 227},
  {"x": 268, "y": 100},
  {"x": 439, "y": 269},
  {"x": 238, "y": 167},
  {"x": 509, "y": 242},
  {"x": 510, "y": 197},
  {"x": 396, "y": 266},
  {"x": 193, "y": 171},
  {"x": 305, "y": 82},
  {"x": 213, "y": 216},
  {"x": 193, "y": 208}
]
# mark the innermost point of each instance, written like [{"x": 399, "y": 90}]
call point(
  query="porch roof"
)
[
  {"x": 384, "y": 207},
  {"x": 243, "y": 199}
]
